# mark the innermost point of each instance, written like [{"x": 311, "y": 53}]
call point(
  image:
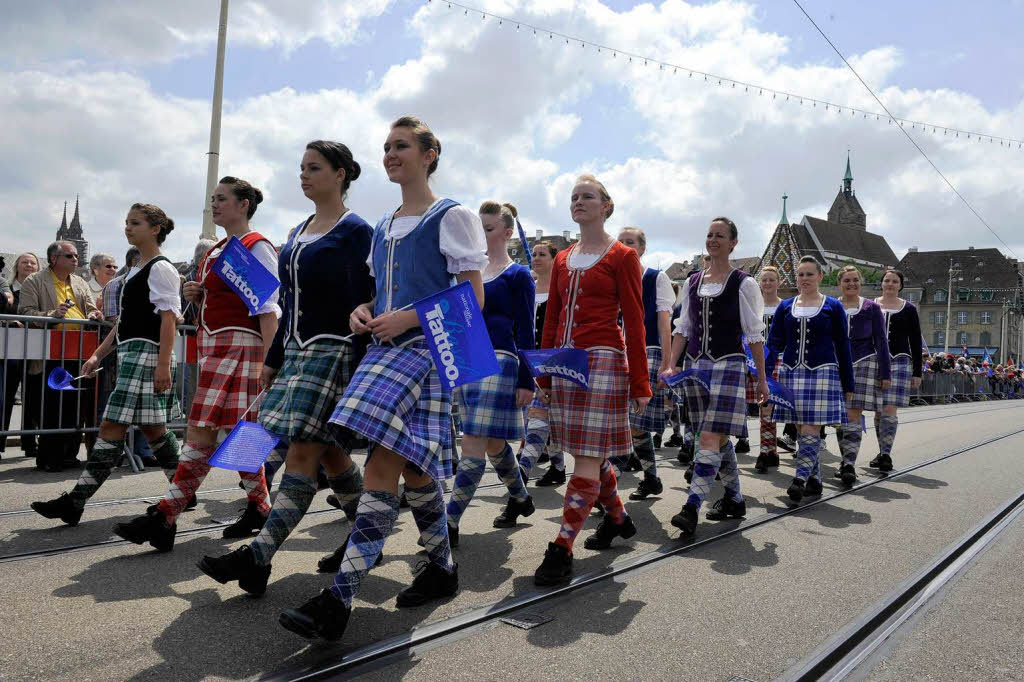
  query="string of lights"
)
[{"x": 735, "y": 84}]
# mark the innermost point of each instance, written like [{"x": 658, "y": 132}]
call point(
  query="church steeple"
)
[
  {"x": 63, "y": 229},
  {"x": 784, "y": 220},
  {"x": 848, "y": 177},
  {"x": 846, "y": 210},
  {"x": 75, "y": 230}
]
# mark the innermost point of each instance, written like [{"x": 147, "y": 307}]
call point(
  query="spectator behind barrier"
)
[
  {"x": 12, "y": 371},
  {"x": 103, "y": 268}
]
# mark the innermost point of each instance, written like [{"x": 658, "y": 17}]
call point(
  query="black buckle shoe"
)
[
  {"x": 884, "y": 463},
  {"x": 62, "y": 508},
  {"x": 332, "y": 562},
  {"x": 551, "y": 477},
  {"x": 874, "y": 463},
  {"x": 686, "y": 520},
  {"x": 322, "y": 616},
  {"x": 650, "y": 485},
  {"x": 513, "y": 510},
  {"x": 813, "y": 487},
  {"x": 152, "y": 528},
  {"x": 248, "y": 524},
  {"x": 556, "y": 568},
  {"x": 742, "y": 446},
  {"x": 847, "y": 473},
  {"x": 796, "y": 490},
  {"x": 432, "y": 582},
  {"x": 238, "y": 565},
  {"x": 727, "y": 508},
  {"x": 608, "y": 531}
]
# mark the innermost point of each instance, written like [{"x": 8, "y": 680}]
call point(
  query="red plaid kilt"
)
[
  {"x": 593, "y": 422},
  {"x": 752, "y": 382},
  {"x": 229, "y": 372}
]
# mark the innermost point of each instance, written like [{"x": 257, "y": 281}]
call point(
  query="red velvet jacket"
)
[
  {"x": 221, "y": 308},
  {"x": 583, "y": 310}
]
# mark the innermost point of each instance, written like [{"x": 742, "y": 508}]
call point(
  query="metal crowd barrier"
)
[
  {"x": 955, "y": 387},
  {"x": 31, "y": 347}
]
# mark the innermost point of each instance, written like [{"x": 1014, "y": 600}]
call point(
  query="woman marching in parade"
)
[
  {"x": 658, "y": 299},
  {"x": 150, "y": 309},
  {"x": 721, "y": 306},
  {"x": 492, "y": 408},
  {"x": 590, "y": 283},
  {"x": 810, "y": 331},
  {"x": 903, "y": 329},
  {"x": 871, "y": 367},
  {"x": 311, "y": 358},
  {"x": 395, "y": 399},
  {"x": 232, "y": 344},
  {"x": 538, "y": 428},
  {"x": 768, "y": 456}
]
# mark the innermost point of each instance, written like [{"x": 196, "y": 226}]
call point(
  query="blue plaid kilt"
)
[
  {"x": 488, "y": 407},
  {"x": 724, "y": 411},
  {"x": 898, "y": 394},
  {"x": 653, "y": 418},
  {"x": 866, "y": 393},
  {"x": 818, "y": 394},
  {"x": 395, "y": 400},
  {"x": 134, "y": 399},
  {"x": 306, "y": 389}
]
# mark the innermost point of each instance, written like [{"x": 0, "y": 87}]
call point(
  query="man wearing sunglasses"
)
[{"x": 58, "y": 292}]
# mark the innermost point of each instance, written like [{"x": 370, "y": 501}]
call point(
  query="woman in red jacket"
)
[{"x": 590, "y": 282}]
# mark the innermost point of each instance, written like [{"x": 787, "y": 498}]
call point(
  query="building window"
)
[
  {"x": 939, "y": 317},
  {"x": 911, "y": 296},
  {"x": 963, "y": 294},
  {"x": 985, "y": 338},
  {"x": 963, "y": 338},
  {"x": 962, "y": 317},
  {"x": 987, "y": 294},
  {"x": 985, "y": 317},
  {"x": 939, "y": 338},
  {"x": 939, "y": 296}
]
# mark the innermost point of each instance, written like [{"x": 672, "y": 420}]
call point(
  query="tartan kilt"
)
[
  {"x": 229, "y": 377},
  {"x": 308, "y": 386},
  {"x": 593, "y": 422},
  {"x": 134, "y": 400},
  {"x": 866, "y": 393},
  {"x": 898, "y": 394},
  {"x": 817, "y": 394},
  {"x": 724, "y": 410},
  {"x": 396, "y": 400},
  {"x": 653, "y": 418},
  {"x": 488, "y": 406}
]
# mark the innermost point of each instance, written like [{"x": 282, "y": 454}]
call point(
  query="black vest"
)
[
  {"x": 538, "y": 326},
  {"x": 138, "y": 319}
]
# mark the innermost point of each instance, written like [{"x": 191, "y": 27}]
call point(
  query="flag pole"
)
[{"x": 213, "y": 156}]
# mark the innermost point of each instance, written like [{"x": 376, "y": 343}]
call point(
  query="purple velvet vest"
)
[{"x": 715, "y": 326}]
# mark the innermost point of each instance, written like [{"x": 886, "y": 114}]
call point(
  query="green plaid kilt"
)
[
  {"x": 307, "y": 389},
  {"x": 134, "y": 400}
]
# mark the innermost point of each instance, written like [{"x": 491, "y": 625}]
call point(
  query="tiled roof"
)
[{"x": 844, "y": 241}]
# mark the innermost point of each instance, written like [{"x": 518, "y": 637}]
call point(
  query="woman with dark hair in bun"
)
[
  {"x": 150, "y": 309},
  {"x": 310, "y": 360},
  {"x": 232, "y": 344}
]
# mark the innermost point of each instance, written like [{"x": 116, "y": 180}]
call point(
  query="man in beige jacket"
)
[{"x": 58, "y": 292}]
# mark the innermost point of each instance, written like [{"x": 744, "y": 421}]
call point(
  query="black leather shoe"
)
[
  {"x": 322, "y": 616},
  {"x": 847, "y": 473},
  {"x": 608, "y": 531},
  {"x": 813, "y": 487},
  {"x": 727, "y": 508},
  {"x": 686, "y": 519},
  {"x": 884, "y": 463},
  {"x": 556, "y": 568},
  {"x": 765, "y": 461},
  {"x": 634, "y": 463},
  {"x": 551, "y": 477},
  {"x": 513, "y": 510},
  {"x": 674, "y": 441},
  {"x": 657, "y": 441},
  {"x": 742, "y": 446},
  {"x": 248, "y": 524},
  {"x": 685, "y": 455},
  {"x": 432, "y": 582},
  {"x": 152, "y": 528},
  {"x": 650, "y": 485},
  {"x": 688, "y": 474},
  {"x": 238, "y": 565},
  {"x": 62, "y": 508},
  {"x": 874, "y": 463},
  {"x": 332, "y": 562},
  {"x": 796, "y": 490}
]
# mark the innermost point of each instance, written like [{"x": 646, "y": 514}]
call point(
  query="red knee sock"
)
[
  {"x": 609, "y": 495},
  {"x": 256, "y": 489},
  {"x": 580, "y": 495},
  {"x": 193, "y": 465},
  {"x": 768, "y": 437}
]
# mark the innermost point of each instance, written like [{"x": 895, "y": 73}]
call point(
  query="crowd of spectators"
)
[{"x": 1003, "y": 381}]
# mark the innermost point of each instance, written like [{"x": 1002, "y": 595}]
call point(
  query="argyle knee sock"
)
[
  {"x": 769, "y": 440},
  {"x": 427, "y": 505},
  {"x": 467, "y": 477},
  {"x": 537, "y": 432},
  {"x": 375, "y": 519},
  {"x": 580, "y": 495},
  {"x": 274, "y": 462},
  {"x": 688, "y": 434},
  {"x": 348, "y": 485},
  {"x": 705, "y": 466},
  {"x": 291, "y": 504},
  {"x": 730, "y": 472},
  {"x": 878, "y": 429},
  {"x": 557, "y": 458},
  {"x": 887, "y": 433},
  {"x": 193, "y": 465},
  {"x": 507, "y": 468},
  {"x": 807, "y": 455},
  {"x": 849, "y": 442},
  {"x": 97, "y": 469},
  {"x": 255, "y": 486},
  {"x": 608, "y": 496},
  {"x": 644, "y": 448},
  {"x": 166, "y": 450},
  {"x": 618, "y": 463}
]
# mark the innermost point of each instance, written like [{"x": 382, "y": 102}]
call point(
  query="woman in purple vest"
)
[
  {"x": 870, "y": 354},
  {"x": 720, "y": 307},
  {"x": 810, "y": 332},
  {"x": 903, "y": 329},
  {"x": 395, "y": 399}
]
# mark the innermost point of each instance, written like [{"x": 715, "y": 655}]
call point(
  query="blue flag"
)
[
  {"x": 568, "y": 363},
  {"x": 751, "y": 367},
  {"x": 781, "y": 395},
  {"x": 457, "y": 336},
  {"x": 60, "y": 380},
  {"x": 702, "y": 377},
  {"x": 245, "y": 275},
  {"x": 987, "y": 357},
  {"x": 245, "y": 449}
]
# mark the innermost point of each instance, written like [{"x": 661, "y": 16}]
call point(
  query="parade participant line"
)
[{"x": 409, "y": 643}]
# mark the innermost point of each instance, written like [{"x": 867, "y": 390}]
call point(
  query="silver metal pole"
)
[
  {"x": 949, "y": 303},
  {"x": 213, "y": 156}
]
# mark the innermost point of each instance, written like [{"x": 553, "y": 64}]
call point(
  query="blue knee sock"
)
[
  {"x": 375, "y": 519},
  {"x": 427, "y": 505},
  {"x": 730, "y": 472},
  {"x": 705, "y": 466},
  {"x": 807, "y": 455},
  {"x": 467, "y": 477},
  {"x": 507, "y": 468}
]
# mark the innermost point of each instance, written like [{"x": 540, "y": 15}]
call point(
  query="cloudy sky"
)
[{"x": 111, "y": 100}]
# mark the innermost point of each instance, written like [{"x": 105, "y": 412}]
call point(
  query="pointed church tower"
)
[
  {"x": 783, "y": 252},
  {"x": 62, "y": 231},
  {"x": 75, "y": 230},
  {"x": 73, "y": 233},
  {"x": 846, "y": 210}
]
